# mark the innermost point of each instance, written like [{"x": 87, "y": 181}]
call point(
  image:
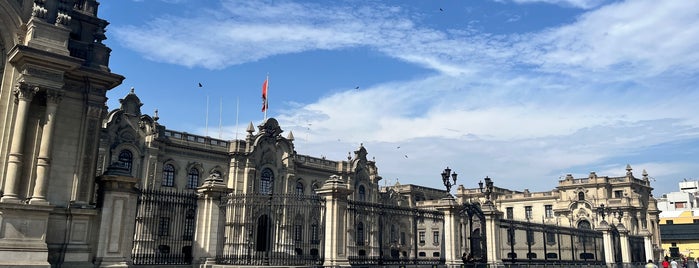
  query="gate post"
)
[
  {"x": 607, "y": 243},
  {"x": 118, "y": 198},
  {"x": 335, "y": 192},
  {"x": 492, "y": 230},
  {"x": 624, "y": 239},
  {"x": 647, "y": 244},
  {"x": 452, "y": 256},
  {"x": 210, "y": 221}
]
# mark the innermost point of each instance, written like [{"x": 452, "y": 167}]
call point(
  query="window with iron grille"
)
[
  {"x": 189, "y": 225},
  {"x": 528, "y": 212},
  {"x": 266, "y": 181},
  {"x": 298, "y": 232},
  {"x": 360, "y": 234},
  {"x": 402, "y": 238},
  {"x": 435, "y": 237},
  {"x": 164, "y": 226},
  {"x": 299, "y": 188},
  {"x": 421, "y": 237},
  {"x": 193, "y": 178},
  {"x": 126, "y": 159},
  {"x": 314, "y": 234},
  {"x": 168, "y": 175},
  {"x": 511, "y": 236}
]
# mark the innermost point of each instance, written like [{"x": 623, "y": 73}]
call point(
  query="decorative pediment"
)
[{"x": 270, "y": 128}]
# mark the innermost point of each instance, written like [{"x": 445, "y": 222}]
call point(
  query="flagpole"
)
[
  {"x": 220, "y": 115},
  {"x": 267, "y": 97},
  {"x": 237, "y": 107},
  {"x": 207, "y": 116}
]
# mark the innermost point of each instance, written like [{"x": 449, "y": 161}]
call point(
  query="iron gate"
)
[
  {"x": 164, "y": 227},
  {"x": 473, "y": 233},
  {"x": 262, "y": 229},
  {"x": 381, "y": 234},
  {"x": 528, "y": 242}
]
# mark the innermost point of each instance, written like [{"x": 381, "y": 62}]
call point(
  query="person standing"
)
[
  {"x": 651, "y": 264},
  {"x": 665, "y": 264},
  {"x": 673, "y": 264}
]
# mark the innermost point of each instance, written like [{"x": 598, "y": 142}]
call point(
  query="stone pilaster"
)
[
  {"x": 335, "y": 192},
  {"x": 43, "y": 161},
  {"x": 607, "y": 243},
  {"x": 119, "y": 205},
  {"x": 647, "y": 244},
  {"x": 24, "y": 94},
  {"x": 492, "y": 233},
  {"x": 449, "y": 207},
  {"x": 210, "y": 221},
  {"x": 625, "y": 247}
]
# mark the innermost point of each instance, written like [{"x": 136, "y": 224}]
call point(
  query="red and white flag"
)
[{"x": 264, "y": 94}]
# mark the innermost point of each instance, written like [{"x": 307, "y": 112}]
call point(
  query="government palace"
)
[{"x": 85, "y": 186}]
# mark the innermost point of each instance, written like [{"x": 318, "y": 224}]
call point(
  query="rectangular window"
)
[
  {"x": 314, "y": 234},
  {"x": 618, "y": 194},
  {"x": 435, "y": 237},
  {"x": 510, "y": 213},
  {"x": 550, "y": 238},
  {"x": 298, "y": 232},
  {"x": 528, "y": 212},
  {"x": 530, "y": 237},
  {"x": 669, "y": 222},
  {"x": 680, "y": 204},
  {"x": 549, "y": 211},
  {"x": 421, "y": 237},
  {"x": 164, "y": 226},
  {"x": 510, "y": 235},
  {"x": 402, "y": 238}
]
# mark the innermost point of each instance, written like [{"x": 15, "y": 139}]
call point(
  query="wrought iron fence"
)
[
  {"x": 165, "y": 222},
  {"x": 638, "y": 249},
  {"x": 265, "y": 229},
  {"x": 381, "y": 234},
  {"x": 536, "y": 244}
]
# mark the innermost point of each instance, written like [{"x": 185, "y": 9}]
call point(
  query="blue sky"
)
[{"x": 523, "y": 91}]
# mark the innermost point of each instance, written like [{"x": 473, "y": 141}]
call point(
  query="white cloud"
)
[{"x": 617, "y": 80}]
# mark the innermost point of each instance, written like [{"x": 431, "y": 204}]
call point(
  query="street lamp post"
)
[
  {"x": 446, "y": 174},
  {"x": 487, "y": 190}
]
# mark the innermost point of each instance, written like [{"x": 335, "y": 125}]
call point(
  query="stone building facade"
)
[
  {"x": 84, "y": 187},
  {"x": 55, "y": 76}
]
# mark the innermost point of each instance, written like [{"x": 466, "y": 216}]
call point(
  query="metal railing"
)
[
  {"x": 264, "y": 229},
  {"x": 165, "y": 225}
]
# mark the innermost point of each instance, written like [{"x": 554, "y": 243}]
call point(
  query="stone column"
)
[
  {"x": 43, "y": 161},
  {"x": 607, "y": 243},
  {"x": 24, "y": 94},
  {"x": 448, "y": 206},
  {"x": 647, "y": 244},
  {"x": 335, "y": 192},
  {"x": 210, "y": 221},
  {"x": 624, "y": 239},
  {"x": 492, "y": 233},
  {"x": 119, "y": 205}
]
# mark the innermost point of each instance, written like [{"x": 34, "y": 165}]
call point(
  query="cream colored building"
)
[{"x": 85, "y": 187}]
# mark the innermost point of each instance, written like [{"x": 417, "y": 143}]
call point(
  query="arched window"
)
[
  {"x": 266, "y": 181},
  {"x": 299, "y": 188},
  {"x": 584, "y": 225},
  {"x": 581, "y": 196},
  {"x": 314, "y": 188},
  {"x": 193, "y": 178},
  {"x": 360, "y": 234},
  {"x": 168, "y": 175},
  {"x": 361, "y": 193},
  {"x": 126, "y": 159}
]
